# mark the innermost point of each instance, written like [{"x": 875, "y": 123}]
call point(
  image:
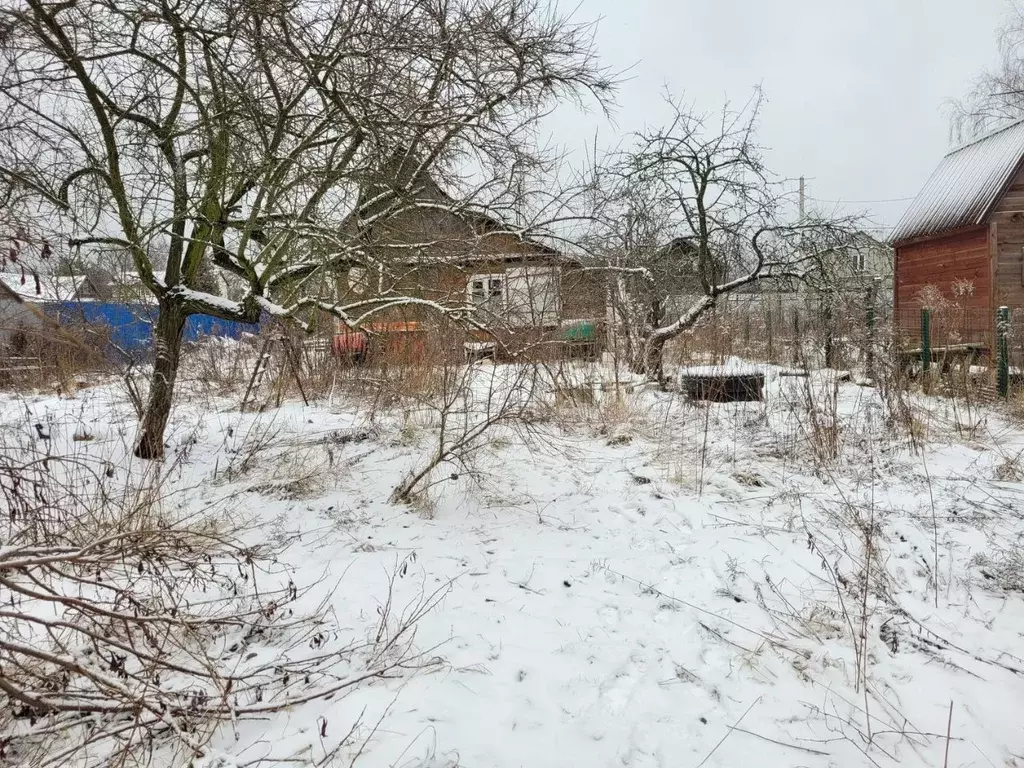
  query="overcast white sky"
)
[{"x": 856, "y": 89}]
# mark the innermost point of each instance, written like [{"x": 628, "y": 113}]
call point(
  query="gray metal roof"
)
[{"x": 965, "y": 186}]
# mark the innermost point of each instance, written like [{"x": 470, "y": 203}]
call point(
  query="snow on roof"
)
[
  {"x": 131, "y": 277},
  {"x": 46, "y": 288},
  {"x": 965, "y": 186}
]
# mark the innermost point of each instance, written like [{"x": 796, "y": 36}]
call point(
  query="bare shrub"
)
[
  {"x": 127, "y": 629},
  {"x": 903, "y": 414},
  {"x": 1004, "y": 565},
  {"x": 221, "y": 366},
  {"x": 471, "y": 399},
  {"x": 820, "y": 400}
]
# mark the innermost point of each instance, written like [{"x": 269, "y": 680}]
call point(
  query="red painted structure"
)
[
  {"x": 963, "y": 237},
  {"x": 398, "y": 342}
]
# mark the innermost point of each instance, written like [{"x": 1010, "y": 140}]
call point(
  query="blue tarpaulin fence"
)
[{"x": 128, "y": 328}]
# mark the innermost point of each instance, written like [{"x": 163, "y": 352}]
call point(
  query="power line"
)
[
  {"x": 862, "y": 202},
  {"x": 804, "y": 195}
]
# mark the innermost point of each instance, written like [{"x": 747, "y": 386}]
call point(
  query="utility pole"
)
[{"x": 801, "y": 199}]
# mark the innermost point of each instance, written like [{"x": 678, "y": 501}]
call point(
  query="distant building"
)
[
  {"x": 18, "y": 319},
  {"x": 38, "y": 288},
  {"x": 860, "y": 271},
  {"x": 962, "y": 239},
  {"x": 521, "y": 292},
  {"x": 848, "y": 277}
]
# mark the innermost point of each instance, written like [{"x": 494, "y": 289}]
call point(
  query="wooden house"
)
[
  {"x": 521, "y": 294},
  {"x": 960, "y": 245}
]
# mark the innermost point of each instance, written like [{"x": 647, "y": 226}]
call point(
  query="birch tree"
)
[
  {"x": 997, "y": 94},
  {"x": 240, "y": 133}
]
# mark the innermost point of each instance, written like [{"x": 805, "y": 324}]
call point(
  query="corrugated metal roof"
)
[{"x": 965, "y": 186}]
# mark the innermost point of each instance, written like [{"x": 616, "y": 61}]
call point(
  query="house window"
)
[
  {"x": 859, "y": 261},
  {"x": 521, "y": 297},
  {"x": 487, "y": 291}
]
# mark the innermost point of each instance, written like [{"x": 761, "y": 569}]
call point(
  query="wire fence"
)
[
  {"x": 857, "y": 332},
  {"x": 790, "y": 329},
  {"x": 847, "y": 332}
]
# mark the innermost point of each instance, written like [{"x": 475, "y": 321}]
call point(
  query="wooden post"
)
[
  {"x": 926, "y": 339},
  {"x": 1003, "y": 351},
  {"x": 258, "y": 371},
  {"x": 872, "y": 320},
  {"x": 797, "y": 346},
  {"x": 829, "y": 341}
]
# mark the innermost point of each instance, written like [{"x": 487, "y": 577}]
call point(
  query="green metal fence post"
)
[
  {"x": 1003, "y": 351},
  {"x": 926, "y": 339}
]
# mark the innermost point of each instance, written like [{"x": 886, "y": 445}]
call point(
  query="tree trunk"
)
[
  {"x": 650, "y": 360},
  {"x": 170, "y": 325}
]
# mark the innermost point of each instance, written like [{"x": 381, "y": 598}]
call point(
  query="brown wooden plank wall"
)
[
  {"x": 1008, "y": 225},
  {"x": 941, "y": 261}
]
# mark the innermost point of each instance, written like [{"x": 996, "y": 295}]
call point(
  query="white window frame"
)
[
  {"x": 487, "y": 279},
  {"x": 860, "y": 261}
]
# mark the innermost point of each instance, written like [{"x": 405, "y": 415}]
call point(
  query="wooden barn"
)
[{"x": 959, "y": 249}]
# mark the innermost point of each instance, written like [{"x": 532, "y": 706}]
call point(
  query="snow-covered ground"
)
[{"x": 633, "y": 582}]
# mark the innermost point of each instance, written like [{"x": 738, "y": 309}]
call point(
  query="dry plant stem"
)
[
  {"x": 949, "y": 733},
  {"x": 704, "y": 449},
  {"x": 935, "y": 529},
  {"x": 868, "y": 554},
  {"x": 857, "y": 648},
  {"x": 729, "y": 732},
  {"x": 808, "y": 750},
  {"x": 774, "y": 640}
]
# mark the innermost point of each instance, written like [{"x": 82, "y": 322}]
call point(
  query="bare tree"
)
[
  {"x": 646, "y": 263},
  {"x": 240, "y": 134},
  {"x": 997, "y": 95},
  {"x": 726, "y": 222}
]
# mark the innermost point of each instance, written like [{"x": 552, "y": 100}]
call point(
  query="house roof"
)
[
  {"x": 426, "y": 189},
  {"x": 129, "y": 277},
  {"x": 966, "y": 185},
  {"x": 45, "y": 288}
]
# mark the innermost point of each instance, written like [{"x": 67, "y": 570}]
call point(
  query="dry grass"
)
[{"x": 58, "y": 360}]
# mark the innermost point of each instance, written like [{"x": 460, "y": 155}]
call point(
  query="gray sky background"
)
[{"x": 856, "y": 89}]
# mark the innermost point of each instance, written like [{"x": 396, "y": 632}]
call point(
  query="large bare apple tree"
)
[
  {"x": 239, "y": 133},
  {"x": 692, "y": 214}
]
